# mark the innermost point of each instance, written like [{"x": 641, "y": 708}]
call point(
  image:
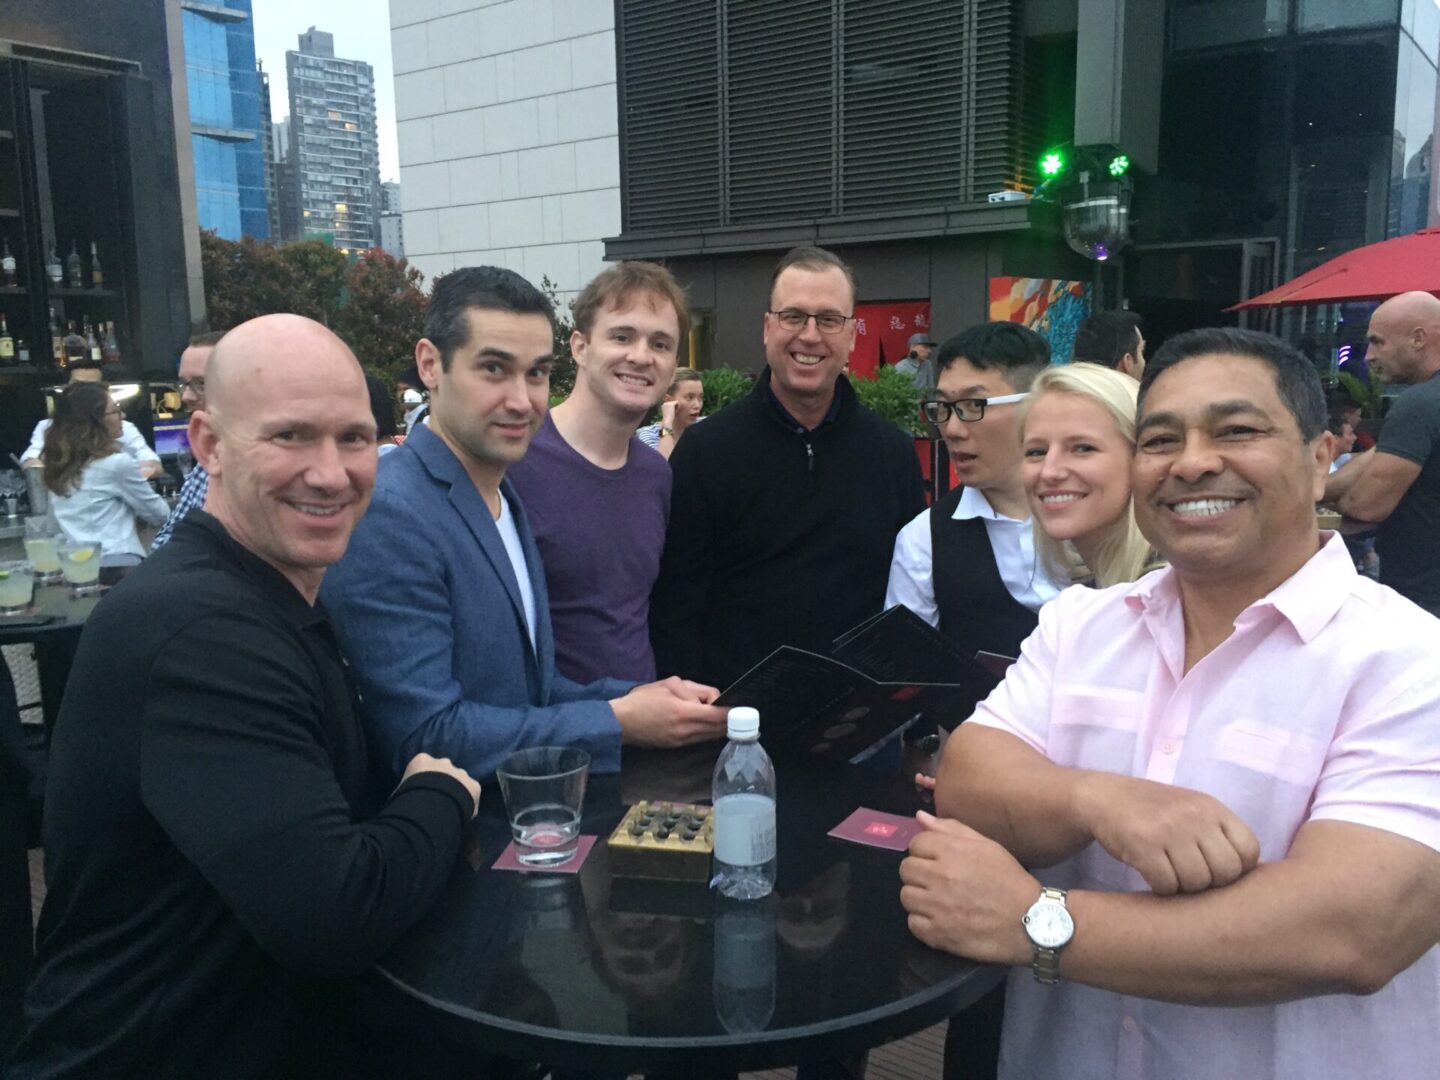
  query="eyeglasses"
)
[
  {"x": 828, "y": 322},
  {"x": 196, "y": 386},
  {"x": 968, "y": 409}
]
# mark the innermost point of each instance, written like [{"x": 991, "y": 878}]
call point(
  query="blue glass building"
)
[{"x": 226, "y": 125}]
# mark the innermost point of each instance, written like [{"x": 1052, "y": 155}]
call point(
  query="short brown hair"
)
[
  {"x": 619, "y": 284},
  {"x": 683, "y": 374},
  {"x": 816, "y": 260}
]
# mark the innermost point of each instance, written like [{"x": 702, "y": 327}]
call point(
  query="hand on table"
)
[
  {"x": 966, "y": 894},
  {"x": 1178, "y": 840},
  {"x": 669, "y": 713},
  {"x": 422, "y": 763}
]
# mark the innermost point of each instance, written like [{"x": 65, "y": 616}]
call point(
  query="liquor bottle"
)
[
  {"x": 92, "y": 343},
  {"x": 7, "y": 343},
  {"x": 52, "y": 267},
  {"x": 22, "y": 351},
  {"x": 8, "y": 277},
  {"x": 111, "y": 348},
  {"x": 743, "y": 793},
  {"x": 73, "y": 275},
  {"x": 97, "y": 275}
]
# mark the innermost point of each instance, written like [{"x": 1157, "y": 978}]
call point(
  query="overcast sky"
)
[{"x": 362, "y": 32}]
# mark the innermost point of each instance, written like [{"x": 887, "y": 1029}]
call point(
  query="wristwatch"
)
[
  {"x": 1050, "y": 928},
  {"x": 667, "y": 431}
]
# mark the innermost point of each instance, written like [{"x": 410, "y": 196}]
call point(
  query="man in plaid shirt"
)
[{"x": 193, "y": 362}]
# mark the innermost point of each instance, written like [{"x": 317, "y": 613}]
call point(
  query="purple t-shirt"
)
[{"x": 600, "y": 534}]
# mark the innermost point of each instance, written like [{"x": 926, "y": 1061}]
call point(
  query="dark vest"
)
[{"x": 976, "y": 610}]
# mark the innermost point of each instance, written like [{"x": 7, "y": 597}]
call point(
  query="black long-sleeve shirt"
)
[
  {"x": 216, "y": 850},
  {"x": 778, "y": 535}
]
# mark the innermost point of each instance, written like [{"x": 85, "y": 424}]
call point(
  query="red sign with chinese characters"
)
[{"x": 882, "y": 333}]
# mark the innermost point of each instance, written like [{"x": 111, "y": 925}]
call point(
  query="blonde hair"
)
[{"x": 1124, "y": 553}]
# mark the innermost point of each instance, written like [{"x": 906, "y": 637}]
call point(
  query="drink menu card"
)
[{"x": 881, "y": 675}]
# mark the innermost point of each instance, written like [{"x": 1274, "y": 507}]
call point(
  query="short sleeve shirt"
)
[
  {"x": 1408, "y": 541},
  {"x": 1322, "y": 704}
]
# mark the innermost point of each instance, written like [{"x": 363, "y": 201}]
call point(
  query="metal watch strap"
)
[{"x": 1045, "y": 962}]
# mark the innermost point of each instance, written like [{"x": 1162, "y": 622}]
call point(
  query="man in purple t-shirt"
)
[{"x": 597, "y": 498}]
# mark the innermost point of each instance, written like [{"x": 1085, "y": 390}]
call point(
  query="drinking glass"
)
[
  {"x": 544, "y": 789},
  {"x": 184, "y": 461},
  {"x": 17, "y": 586},
  {"x": 80, "y": 565},
  {"x": 41, "y": 536}
]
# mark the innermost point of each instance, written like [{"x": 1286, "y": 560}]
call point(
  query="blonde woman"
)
[{"x": 1078, "y": 439}]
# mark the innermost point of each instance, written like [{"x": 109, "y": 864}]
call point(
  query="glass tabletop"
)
[{"x": 588, "y": 970}]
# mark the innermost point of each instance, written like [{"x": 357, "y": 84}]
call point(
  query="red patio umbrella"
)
[{"x": 1373, "y": 272}]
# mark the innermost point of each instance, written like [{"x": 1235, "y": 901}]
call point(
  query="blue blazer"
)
[{"x": 428, "y": 612}]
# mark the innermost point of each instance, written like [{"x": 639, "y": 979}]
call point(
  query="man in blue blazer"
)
[{"x": 440, "y": 601}]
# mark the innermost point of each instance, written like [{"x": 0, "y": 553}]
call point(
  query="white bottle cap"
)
[{"x": 743, "y": 723}]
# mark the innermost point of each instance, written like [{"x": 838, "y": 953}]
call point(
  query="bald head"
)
[
  {"x": 1404, "y": 338},
  {"x": 276, "y": 354},
  {"x": 288, "y": 440}
]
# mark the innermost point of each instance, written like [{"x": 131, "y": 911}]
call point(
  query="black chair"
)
[{"x": 17, "y": 941}]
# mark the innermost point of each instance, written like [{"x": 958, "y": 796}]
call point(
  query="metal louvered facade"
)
[{"x": 751, "y": 112}]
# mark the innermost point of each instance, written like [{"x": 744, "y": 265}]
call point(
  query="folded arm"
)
[{"x": 1371, "y": 485}]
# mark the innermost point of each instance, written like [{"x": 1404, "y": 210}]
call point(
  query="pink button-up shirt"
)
[{"x": 1323, "y": 704}]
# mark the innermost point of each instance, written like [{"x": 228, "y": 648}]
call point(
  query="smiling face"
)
[
  {"x": 805, "y": 363},
  {"x": 289, "y": 442},
  {"x": 489, "y": 404},
  {"x": 1224, "y": 486},
  {"x": 1076, "y": 466},
  {"x": 626, "y": 362},
  {"x": 986, "y": 452}
]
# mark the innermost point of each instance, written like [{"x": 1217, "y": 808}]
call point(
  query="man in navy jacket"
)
[{"x": 440, "y": 602}]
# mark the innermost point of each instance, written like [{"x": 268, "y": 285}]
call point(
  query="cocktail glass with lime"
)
[
  {"x": 80, "y": 563},
  {"x": 41, "y": 536},
  {"x": 17, "y": 586}
]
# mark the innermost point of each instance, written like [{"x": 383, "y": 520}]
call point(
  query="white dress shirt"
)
[
  {"x": 131, "y": 441},
  {"x": 912, "y": 578},
  {"x": 103, "y": 506}
]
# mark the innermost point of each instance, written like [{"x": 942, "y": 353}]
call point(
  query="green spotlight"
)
[
  {"x": 1052, "y": 164},
  {"x": 1119, "y": 165}
]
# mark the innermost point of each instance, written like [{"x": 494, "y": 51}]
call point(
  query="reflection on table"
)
[{"x": 589, "y": 971}]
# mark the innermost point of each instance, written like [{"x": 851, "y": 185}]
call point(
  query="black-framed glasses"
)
[
  {"x": 196, "y": 386},
  {"x": 828, "y": 322},
  {"x": 968, "y": 409}
]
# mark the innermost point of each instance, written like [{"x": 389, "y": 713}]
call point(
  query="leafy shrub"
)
[{"x": 893, "y": 395}]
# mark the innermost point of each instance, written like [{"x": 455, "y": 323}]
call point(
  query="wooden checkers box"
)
[{"x": 664, "y": 841}]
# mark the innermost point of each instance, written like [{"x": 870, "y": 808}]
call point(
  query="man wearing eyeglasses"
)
[
  {"x": 968, "y": 564},
  {"x": 785, "y": 504},
  {"x": 194, "y": 362}
]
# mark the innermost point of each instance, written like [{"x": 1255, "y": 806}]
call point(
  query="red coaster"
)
[
  {"x": 877, "y": 829},
  {"x": 508, "y": 861}
]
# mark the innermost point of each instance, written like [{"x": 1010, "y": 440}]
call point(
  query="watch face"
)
[{"x": 1049, "y": 924}]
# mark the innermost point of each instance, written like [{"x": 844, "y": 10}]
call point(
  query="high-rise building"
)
[
  {"x": 267, "y": 152},
  {"x": 392, "y": 234},
  {"x": 507, "y": 123},
  {"x": 390, "y": 197},
  {"x": 226, "y": 118},
  {"x": 333, "y": 149}
]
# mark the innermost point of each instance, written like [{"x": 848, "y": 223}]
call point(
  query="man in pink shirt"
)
[{"x": 1226, "y": 775}]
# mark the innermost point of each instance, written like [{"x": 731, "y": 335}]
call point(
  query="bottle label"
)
[
  {"x": 7, "y": 348},
  {"x": 744, "y": 829}
]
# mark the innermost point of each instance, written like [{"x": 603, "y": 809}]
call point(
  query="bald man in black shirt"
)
[{"x": 216, "y": 853}]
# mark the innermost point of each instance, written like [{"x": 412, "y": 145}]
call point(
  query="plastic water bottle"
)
[{"x": 743, "y": 792}]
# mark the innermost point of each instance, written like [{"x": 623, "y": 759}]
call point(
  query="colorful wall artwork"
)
[{"x": 1053, "y": 308}]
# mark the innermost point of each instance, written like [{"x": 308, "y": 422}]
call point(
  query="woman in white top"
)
[{"x": 96, "y": 490}]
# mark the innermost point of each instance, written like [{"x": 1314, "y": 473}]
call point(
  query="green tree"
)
[
  {"x": 562, "y": 375},
  {"x": 248, "y": 277},
  {"x": 724, "y": 385},
  {"x": 892, "y": 395},
  {"x": 384, "y": 312}
]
